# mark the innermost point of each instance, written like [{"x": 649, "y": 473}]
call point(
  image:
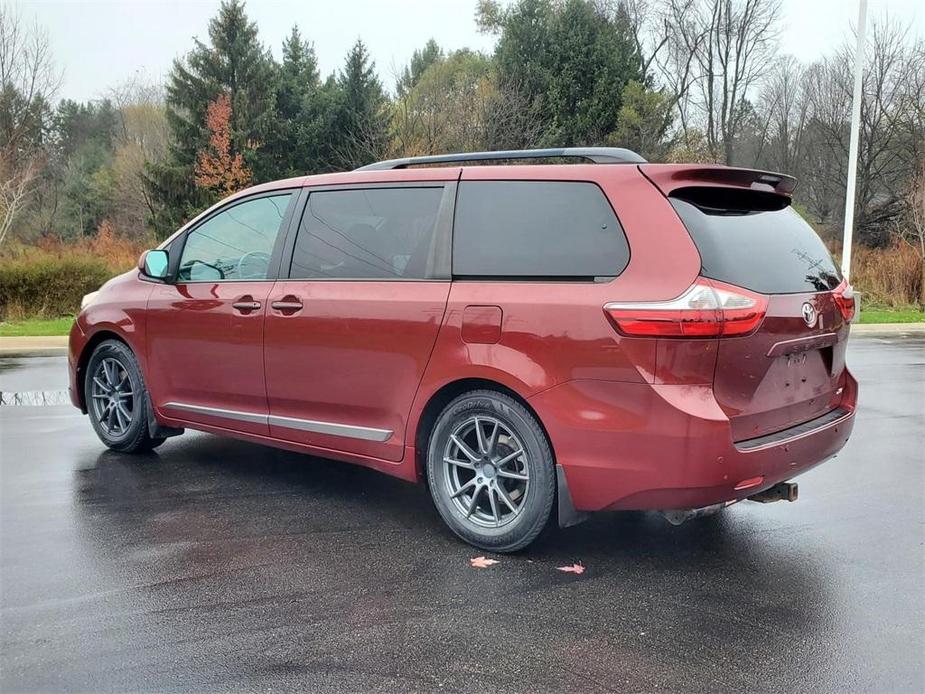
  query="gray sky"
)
[{"x": 101, "y": 44}]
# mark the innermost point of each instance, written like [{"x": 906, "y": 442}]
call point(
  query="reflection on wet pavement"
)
[{"x": 39, "y": 398}]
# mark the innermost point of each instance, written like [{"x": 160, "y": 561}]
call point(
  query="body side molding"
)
[{"x": 330, "y": 428}]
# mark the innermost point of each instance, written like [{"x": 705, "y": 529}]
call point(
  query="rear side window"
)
[
  {"x": 536, "y": 229},
  {"x": 370, "y": 233},
  {"x": 759, "y": 246}
]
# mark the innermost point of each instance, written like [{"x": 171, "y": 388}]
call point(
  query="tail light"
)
[
  {"x": 707, "y": 309},
  {"x": 844, "y": 299}
]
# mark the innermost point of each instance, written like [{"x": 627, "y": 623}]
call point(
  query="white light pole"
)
[{"x": 855, "y": 137}]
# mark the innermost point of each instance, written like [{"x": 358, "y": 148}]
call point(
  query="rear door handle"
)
[
  {"x": 289, "y": 304},
  {"x": 246, "y": 305}
]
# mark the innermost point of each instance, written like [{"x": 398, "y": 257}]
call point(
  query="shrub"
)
[
  {"x": 48, "y": 279},
  {"x": 889, "y": 277},
  {"x": 48, "y": 287}
]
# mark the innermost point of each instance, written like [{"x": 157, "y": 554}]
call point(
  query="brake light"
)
[
  {"x": 707, "y": 309},
  {"x": 844, "y": 299}
]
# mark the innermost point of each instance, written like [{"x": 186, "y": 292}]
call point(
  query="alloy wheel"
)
[
  {"x": 113, "y": 397},
  {"x": 486, "y": 471}
]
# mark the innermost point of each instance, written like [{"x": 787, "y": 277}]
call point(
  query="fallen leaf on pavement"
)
[
  {"x": 481, "y": 562},
  {"x": 577, "y": 568}
]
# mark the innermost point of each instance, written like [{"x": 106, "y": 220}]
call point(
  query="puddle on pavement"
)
[{"x": 35, "y": 398}]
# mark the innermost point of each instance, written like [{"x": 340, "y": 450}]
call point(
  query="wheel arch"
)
[{"x": 443, "y": 396}]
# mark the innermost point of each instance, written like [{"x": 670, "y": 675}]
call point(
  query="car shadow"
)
[{"x": 200, "y": 469}]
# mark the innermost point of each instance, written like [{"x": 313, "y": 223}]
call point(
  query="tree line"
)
[{"x": 676, "y": 80}]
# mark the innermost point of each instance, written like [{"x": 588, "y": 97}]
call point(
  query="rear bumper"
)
[{"x": 644, "y": 447}]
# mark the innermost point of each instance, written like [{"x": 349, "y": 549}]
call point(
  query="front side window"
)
[
  {"x": 536, "y": 229},
  {"x": 370, "y": 233},
  {"x": 235, "y": 244}
]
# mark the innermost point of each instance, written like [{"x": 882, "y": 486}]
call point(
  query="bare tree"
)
[
  {"x": 709, "y": 56},
  {"x": 27, "y": 81},
  {"x": 651, "y": 27},
  {"x": 892, "y": 124},
  {"x": 363, "y": 144},
  {"x": 784, "y": 107},
  {"x": 741, "y": 40},
  {"x": 668, "y": 39},
  {"x": 14, "y": 194},
  {"x": 141, "y": 139}
]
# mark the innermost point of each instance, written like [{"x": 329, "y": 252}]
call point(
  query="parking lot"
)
[{"x": 217, "y": 565}]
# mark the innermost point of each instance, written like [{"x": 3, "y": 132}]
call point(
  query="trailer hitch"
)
[{"x": 782, "y": 491}]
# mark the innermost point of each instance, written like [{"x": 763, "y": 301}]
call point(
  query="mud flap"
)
[
  {"x": 156, "y": 430},
  {"x": 568, "y": 516}
]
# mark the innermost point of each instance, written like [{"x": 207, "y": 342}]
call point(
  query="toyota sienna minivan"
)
[{"x": 533, "y": 340}]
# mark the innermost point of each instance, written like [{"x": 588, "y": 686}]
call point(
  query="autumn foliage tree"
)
[{"x": 217, "y": 168}]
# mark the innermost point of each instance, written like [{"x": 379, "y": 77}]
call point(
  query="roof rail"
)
[{"x": 597, "y": 155}]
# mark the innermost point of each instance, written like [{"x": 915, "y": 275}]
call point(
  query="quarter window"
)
[
  {"x": 235, "y": 244},
  {"x": 536, "y": 229},
  {"x": 370, "y": 233}
]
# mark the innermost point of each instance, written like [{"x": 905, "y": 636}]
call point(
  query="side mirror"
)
[{"x": 154, "y": 263}]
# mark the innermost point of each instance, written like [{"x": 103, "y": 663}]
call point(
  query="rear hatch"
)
[{"x": 791, "y": 369}]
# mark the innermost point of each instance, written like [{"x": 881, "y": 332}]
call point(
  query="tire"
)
[
  {"x": 117, "y": 399},
  {"x": 488, "y": 495}
]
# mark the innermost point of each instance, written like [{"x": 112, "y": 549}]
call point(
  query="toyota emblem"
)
[{"x": 809, "y": 314}]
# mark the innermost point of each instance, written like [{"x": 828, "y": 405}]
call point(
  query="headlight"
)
[{"x": 88, "y": 299}]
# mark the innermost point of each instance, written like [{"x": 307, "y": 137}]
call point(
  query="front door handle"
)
[
  {"x": 245, "y": 306},
  {"x": 288, "y": 304}
]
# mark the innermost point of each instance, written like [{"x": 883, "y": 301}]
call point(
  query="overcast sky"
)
[{"x": 101, "y": 44}]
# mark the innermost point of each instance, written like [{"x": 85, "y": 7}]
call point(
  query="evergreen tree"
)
[
  {"x": 595, "y": 58},
  {"x": 571, "y": 58},
  {"x": 235, "y": 63},
  {"x": 361, "y": 126},
  {"x": 77, "y": 125},
  {"x": 294, "y": 148},
  {"x": 421, "y": 59},
  {"x": 298, "y": 75},
  {"x": 643, "y": 122},
  {"x": 524, "y": 53}
]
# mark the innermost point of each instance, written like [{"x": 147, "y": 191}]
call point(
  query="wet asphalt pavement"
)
[{"x": 217, "y": 565}]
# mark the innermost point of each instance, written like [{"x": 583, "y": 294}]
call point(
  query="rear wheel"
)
[
  {"x": 117, "y": 399},
  {"x": 491, "y": 471}
]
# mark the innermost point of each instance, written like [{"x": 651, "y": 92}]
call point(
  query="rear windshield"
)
[{"x": 762, "y": 246}]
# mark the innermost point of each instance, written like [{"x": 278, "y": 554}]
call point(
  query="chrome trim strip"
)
[
  {"x": 803, "y": 344},
  {"x": 219, "y": 412},
  {"x": 347, "y": 430},
  {"x": 330, "y": 428},
  {"x": 739, "y": 445}
]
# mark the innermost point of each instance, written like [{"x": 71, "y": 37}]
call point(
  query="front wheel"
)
[
  {"x": 117, "y": 399},
  {"x": 491, "y": 471}
]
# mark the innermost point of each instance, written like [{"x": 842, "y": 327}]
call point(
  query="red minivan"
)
[{"x": 529, "y": 338}]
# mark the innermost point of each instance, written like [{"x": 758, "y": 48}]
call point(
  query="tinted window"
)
[
  {"x": 536, "y": 229},
  {"x": 235, "y": 244},
  {"x": 772, "y": 251},
  {"x": 373, "y": 233}
]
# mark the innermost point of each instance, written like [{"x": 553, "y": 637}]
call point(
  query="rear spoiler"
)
[{"x": 670, "y": 177}]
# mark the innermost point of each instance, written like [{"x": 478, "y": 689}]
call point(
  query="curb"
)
[
  {"x": 51, "y": 346},
  {"x": 888, "y": 329}
]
